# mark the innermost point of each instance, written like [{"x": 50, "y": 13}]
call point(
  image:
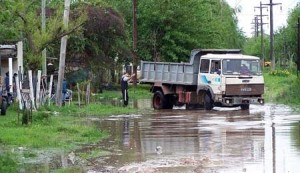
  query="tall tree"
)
[
  {"x": 24, "y": 23},
  {"x": 169, "y": 30}
]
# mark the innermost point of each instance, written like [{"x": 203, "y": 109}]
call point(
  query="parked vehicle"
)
[
  {"x": 5, "y": 100},
  {"x": 213, "y": 77}
]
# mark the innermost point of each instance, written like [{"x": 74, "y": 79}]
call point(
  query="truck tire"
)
[
  {"x": 3, "y": 107},
  {"x": 208, "y": 102},
  {"x": 245, "y": 106},
  {"x": 159, "y": 101}
]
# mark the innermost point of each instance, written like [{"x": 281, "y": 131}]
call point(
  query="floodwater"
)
[{"x": 265, "y": 139}]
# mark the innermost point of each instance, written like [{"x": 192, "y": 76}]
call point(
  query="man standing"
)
[
  {"x": 64, "y": 91},
  {"x": 124, "y": 85}
]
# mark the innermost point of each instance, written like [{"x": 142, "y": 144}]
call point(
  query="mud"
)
[{"x": 265, "y": 139}]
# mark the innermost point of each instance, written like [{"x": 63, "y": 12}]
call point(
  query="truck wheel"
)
[
  {"x": 208, "y": 102},
  {"x": 245, "y": 106},
  {"x": 159, "y": 101},
  {"x": 3, "y": 107}
]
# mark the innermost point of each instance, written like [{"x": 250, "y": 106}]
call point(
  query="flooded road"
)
[{"x": 264, "y": 139}]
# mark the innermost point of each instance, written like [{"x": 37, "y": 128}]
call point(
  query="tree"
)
[
  {"x": 96, "y": 47},
  {"x": 169, "y": 30},
  {"x": 24, "y": 23}
]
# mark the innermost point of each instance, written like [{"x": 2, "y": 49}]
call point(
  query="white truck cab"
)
[{"x": 234, "y": 79}]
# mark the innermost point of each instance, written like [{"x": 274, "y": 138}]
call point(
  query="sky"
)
[{"x": 247, "y": 14}]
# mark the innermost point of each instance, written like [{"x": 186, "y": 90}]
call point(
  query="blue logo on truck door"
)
[{"x": 215, "y": 80}]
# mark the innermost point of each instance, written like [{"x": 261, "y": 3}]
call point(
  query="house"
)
[{"x": 11, "y": 59}]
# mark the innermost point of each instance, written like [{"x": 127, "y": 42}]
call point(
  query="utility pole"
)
[
  {"x": 62, "y": 57},
  {"x": 298, "y": 51},
  {"x": 134, "y": 40},
  {"x": 262, "y": 33},
  {"x": 44, "y": 53},
  {"x": 271, "y": 4},
  {"x": 255, "y": 27}
]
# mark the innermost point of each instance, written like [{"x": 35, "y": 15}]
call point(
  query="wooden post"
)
[
  {"x": 19, "y": 93},
  {"x": 44, "y": 53},
  {"x": 31, "y": 89},
  {"x": 88, "y": 91},
  {"x": 62, "y": 57},
  {"x": 10, "y": 66},
  {"x": 78, "y": 89},
  {"x": 38, "y": 89},
  {"x": 50, "y": 89}
]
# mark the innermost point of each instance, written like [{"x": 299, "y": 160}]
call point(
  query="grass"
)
[
  {"x": 282, "y": 89},
  {"x": 140, "y": 92},
  {"x": 58, "y": 128},
  {"x": 48, "y": 131}
]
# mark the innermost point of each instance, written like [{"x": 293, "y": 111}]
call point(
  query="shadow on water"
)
[{"x": 263, "y": 139}]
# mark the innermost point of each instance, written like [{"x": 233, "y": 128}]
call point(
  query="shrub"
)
[{"x": 284, "y": 72}]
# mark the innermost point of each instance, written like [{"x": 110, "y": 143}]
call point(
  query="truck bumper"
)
[{"x": 232, "y": 101}]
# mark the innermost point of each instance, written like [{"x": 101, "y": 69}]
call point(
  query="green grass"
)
[
  {"x": 282, "y": 89},
  {"x": 61, "y": 127},
  {"x": 62, "y": 130},
  {"x": 140, "y": 92},
  {"x": 8, "y": 163}
]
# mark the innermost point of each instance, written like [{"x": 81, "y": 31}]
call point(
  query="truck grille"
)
[{"x": 244, "y": 89}]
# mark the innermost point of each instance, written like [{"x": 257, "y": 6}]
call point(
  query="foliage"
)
[
  {"x": 8, "y": 163},
  {"x": 24, "y": 23},
  {"x": 285, "y": 42},
  {"x": 57, "y": 128},
  {"x": 282, "y": 89},
  {"x": 253, "y": 47},
  {"x": 169, "y": 30},
  {"x": 98, "y": 45},
  {"x": 142, "y": 91},
  {"x": 284, "y": 73}
]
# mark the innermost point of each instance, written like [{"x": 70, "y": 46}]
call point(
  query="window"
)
[
  {"x": 241, "y": 67},
  {"x": 204, "y": 66},
  {"x": 215, "y": 67}
]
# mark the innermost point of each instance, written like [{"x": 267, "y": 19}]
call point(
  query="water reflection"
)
[
  {"x": 265, "y": 139},
  {"x": 139, "y": 104},
  {"x": 258, "y": 140}
]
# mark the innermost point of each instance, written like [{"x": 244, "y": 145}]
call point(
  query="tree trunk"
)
[{"x": 62, "y": 57}]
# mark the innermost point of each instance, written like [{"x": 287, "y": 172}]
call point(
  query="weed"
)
[{"x": 8, "y": 163}]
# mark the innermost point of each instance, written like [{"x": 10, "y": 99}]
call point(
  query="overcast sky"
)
[{"x": 246, "y": 16}]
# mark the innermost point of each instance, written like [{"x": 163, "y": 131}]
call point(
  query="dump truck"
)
[{"x": 212, "y": 77}]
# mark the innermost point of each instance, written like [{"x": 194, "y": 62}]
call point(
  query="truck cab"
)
[{"x": 233, "y": 79}]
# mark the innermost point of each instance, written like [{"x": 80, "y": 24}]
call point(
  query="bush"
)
[
  {"x": 284, "y": 72},
  {"x": 7, "y": 163}
]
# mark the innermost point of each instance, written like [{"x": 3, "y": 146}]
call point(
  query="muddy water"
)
[{"x": 264, "y": 139}]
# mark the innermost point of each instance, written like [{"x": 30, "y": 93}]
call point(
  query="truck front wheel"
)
[
  {"x": 208, "y": 102},
  {"x": 159, "y": 101}
]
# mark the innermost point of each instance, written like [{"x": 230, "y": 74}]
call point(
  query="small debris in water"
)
[{"x": 158, "y": 150}]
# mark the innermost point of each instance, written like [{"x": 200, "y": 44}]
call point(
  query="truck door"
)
[{"x": 210, "y": 75}]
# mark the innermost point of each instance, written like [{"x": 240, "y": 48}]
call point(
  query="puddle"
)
[{"x": 265, "y": 139}]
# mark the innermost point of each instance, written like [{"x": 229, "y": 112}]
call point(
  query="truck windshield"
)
[{"x": 241, "y": 67}]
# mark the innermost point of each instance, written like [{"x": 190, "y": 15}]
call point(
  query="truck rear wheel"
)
[
  {"x": 159, "y": 101},
  {"x": 208, "y": 102}
]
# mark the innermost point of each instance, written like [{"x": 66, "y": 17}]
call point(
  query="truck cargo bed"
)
[{"x": 172, "y": 73}]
